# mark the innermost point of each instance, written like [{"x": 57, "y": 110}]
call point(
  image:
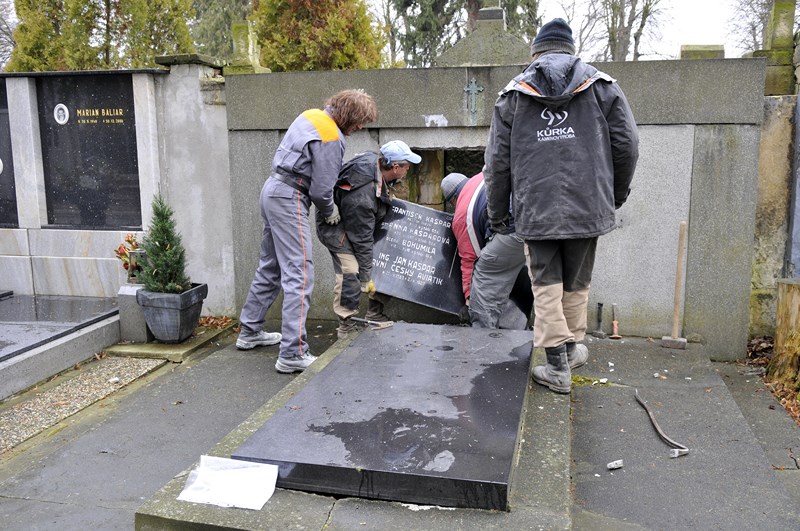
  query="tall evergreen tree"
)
[
  {"x": 163, "y": 30},
  {"x": 316, "y": 35},
  {"x": 98, "y": 34},
  {"x": 211, "y": 29},
  {"x": 37, "y": 36},
  {"x": 429, "y": 27},
  {"x": 523, "y": 17}
]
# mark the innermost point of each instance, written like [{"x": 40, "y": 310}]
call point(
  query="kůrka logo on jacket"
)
[{"x": 552, "y": 131}]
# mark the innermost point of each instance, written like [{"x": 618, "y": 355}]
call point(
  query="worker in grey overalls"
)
[{"x": 304, "y": 171}]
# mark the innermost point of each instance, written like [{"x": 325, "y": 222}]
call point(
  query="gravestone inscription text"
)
[{"x": 415, "y": 257}]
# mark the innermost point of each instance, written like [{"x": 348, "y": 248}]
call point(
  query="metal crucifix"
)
[{"x": 473, "y": 90}]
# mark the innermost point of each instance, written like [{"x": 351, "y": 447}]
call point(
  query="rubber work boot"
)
[
  {"x": 577, "y": 355},
  {"x": 246, "y": 340},
  {"x": 375, "y": 312},
  {"x": 556, "y": 373},
  {"x": 346, "y": 327},
  {"x": 295, "y": 363}
]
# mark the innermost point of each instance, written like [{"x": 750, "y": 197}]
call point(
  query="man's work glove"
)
[
  {"x": 334, "y": 218},
  {"x": 463, "y": 314},
  {"x": 368, "y": 287}
]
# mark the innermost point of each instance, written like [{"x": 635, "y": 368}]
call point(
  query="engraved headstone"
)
[
  {"x": 88, "y": 133},
  {"x": 415, "y": 257}
]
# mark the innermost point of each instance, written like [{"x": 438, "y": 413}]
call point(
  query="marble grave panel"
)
[{"x": 27, "y": 322}]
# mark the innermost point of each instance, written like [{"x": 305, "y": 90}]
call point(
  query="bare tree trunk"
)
[
  {"x": 618, "y": 26},
  {"x": 107, "y": 35},
  {"x": 584, "y": 27}
]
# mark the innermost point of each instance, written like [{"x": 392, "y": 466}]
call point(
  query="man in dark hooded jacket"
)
[
  {"x": 564, "y": 141},
  {"x": 362, "y": 197}
]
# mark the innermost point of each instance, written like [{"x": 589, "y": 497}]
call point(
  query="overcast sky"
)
[{"x": 683, "y": 22}]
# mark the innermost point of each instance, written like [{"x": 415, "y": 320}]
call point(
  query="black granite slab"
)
[
  {"x": 415, "y": 257},
  {"x": 89, "y": 154},
  {"x": 27, "y": 321},
  {"x": 417, "y": 413}
]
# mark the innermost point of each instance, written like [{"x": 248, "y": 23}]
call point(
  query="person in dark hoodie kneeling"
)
[
  {"x": 362, "y": 196},
  {"x": 564, "y": 141}
]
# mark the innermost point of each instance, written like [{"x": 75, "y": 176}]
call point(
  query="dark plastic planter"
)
[{"x": 172, "y": 317}]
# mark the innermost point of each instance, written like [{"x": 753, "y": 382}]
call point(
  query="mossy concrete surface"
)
[
  {"x": 539, "y": 488},
  {"x": 174, "y": 352}
]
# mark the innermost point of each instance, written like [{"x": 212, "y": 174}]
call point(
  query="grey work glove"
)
[{"x": 334, "y": 218}]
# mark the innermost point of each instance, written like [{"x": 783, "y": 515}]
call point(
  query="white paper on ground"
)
[{"x": 230, "y": 483}]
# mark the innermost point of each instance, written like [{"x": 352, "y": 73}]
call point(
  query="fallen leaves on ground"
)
[
  {"x": 759, "y": 352},
  {"x": 215, "y": 322}
]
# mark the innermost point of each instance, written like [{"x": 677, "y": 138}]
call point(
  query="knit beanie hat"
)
[
  {"x": 452, "y": 185},
  {"x": 556, "y": 35}
]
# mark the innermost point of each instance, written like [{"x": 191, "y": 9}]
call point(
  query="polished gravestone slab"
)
[
  {"x": 27, "y": 322},
  {"x": 417, "y": 413},
  {"x": 89, "y": 154}
]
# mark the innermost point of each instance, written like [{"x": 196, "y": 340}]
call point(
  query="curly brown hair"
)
[{"x": 351, "y": 108}]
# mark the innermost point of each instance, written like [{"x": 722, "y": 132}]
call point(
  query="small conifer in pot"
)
[{"x": 164, "y": 269}]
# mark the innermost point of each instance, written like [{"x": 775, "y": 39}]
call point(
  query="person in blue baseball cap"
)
[{"x": 362, "y": 195}]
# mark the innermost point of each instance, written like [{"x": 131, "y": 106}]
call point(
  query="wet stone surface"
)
[
  {"x": 27, "y": 322},
  {"x": 412, "y": 413}
]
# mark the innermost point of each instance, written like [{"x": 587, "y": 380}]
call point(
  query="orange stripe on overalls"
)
[{"x": 303, "y": 245}]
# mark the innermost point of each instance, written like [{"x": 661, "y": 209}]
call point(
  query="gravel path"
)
[{"x": 47, "y": 408}]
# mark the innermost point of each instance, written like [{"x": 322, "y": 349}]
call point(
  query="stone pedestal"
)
[
  {"x": 702, "y": 51},
  {"x": 131, "y": 317}
]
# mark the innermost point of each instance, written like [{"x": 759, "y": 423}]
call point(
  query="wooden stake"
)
[
  {"x": 675, "y": 341},
  {"x": 676, "y": 309}
]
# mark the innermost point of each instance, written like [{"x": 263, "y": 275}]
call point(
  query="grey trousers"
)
[
  {"x": 493, "y": 277},
  {"x": 284, "y": 262}
]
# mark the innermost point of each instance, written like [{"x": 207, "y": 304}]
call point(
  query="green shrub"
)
[{"x": 164, "y": 268}]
